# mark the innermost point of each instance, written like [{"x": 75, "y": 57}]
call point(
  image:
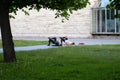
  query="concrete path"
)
[
  {"x": 28, "y": 48},
  {"x": 77, "y": 41},
  {"x": 96, "y": 41}
]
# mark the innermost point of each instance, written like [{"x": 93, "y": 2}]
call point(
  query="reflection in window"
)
[
  {"x": 103, "y": 21},
  {"x": 118, "y": 22},
  {"x": 98, "y": 18},
  {"x": 110, "y": 21}
]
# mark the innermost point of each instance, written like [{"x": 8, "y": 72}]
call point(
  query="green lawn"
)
[
  {"x": 65, "y": 63},
  {"x": 26, "y": 43}
]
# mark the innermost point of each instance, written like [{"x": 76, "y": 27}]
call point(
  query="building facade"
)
[{"x": 90, "y": 22}]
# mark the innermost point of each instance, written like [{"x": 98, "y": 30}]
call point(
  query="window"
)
[
  {"x": 118, "y": 22},
  {"x": 105, "y": 22},
  {"x": 110, "y": 21}
]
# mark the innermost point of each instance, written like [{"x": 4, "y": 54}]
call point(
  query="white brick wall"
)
[{"x": 43, "y": 23}]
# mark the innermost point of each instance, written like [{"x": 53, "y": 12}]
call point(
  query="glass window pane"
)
[
  {"x": 98, "y": 20},
  {"x": 103, "y": 21},
  {"x": 110, "y": 21},
  {"x": 118, "y": 22}
]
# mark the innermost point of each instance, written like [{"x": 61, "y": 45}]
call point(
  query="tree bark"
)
[{"x": 7, "y": 41}]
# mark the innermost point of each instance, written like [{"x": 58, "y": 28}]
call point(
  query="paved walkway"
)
[
  {"x": 77, "y": 41},
  {"x": 96, "y": 41},
  {"x": 28, "y": 48}
]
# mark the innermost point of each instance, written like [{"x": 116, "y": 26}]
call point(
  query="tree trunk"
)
[{"x": 7, "y": 41}]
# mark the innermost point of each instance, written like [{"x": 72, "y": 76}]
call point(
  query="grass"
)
[
  {"x": 26, "y": 43},
  {"x": 65, "y": 63}
]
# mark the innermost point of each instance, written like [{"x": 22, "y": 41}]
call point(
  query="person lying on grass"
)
[{"x": 55, "y": 42}]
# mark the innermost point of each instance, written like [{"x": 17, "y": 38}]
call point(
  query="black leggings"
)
[{"x": 53, "y": 41}]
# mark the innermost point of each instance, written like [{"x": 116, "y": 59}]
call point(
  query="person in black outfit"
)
[{"x": 54, "y": 41}]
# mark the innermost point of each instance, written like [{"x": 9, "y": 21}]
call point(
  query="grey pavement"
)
[
  {"x": 96, "y": 41},
  {"x": 29, "y": 48},
  {"x": 77, "y": 41}
]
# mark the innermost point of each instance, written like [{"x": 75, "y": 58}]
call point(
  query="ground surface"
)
[{"x": 77, "y": 41}]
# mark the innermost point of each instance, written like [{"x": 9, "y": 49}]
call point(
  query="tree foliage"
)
[
  {"x": 63, "y": 7},
  {"x": 115, "y": 4}
]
